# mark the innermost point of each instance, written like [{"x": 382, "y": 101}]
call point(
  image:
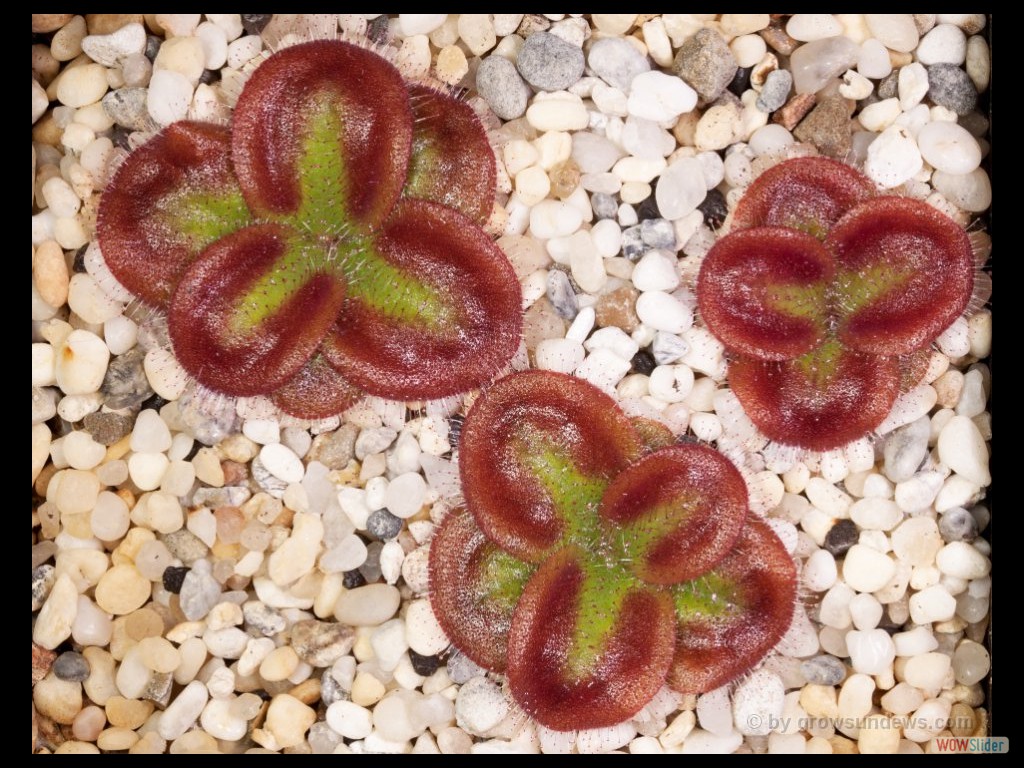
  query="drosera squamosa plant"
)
[
  {"x": 596, "y": 560},
  {"x": 326, "y": 245},
  {"x": 828, "y": 297}
]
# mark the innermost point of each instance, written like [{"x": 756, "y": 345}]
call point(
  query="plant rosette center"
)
[
  {"x": 596, "y": 559},
  {"x": 327, "y": 244},
  {"x": 827, "y": 296}
]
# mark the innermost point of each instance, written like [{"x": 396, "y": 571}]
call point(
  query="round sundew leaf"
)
[
  {"x": 474, "y": 588},
  {"x": 675, "y": 513},
  {"x": 317, "y": 391},
  {"x": 537, "y": 451},
  {"x": 321, "y": 136},
  {"x": 433, "y": 308},
  {"x": 904, "y": 273},
  {"x": 170, "y": 198},
  {"x": 732, "y": 616},
  {"x": 252, "y": 309},
  {"x": 763, "y": 292},
  {"x": 806, "y": 193},
  {"x": 820, "y": 401},
  {"x": 589, "y": 646},
  {"x": 452, "y": 162}
]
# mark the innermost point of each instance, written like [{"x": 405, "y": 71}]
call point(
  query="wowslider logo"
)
[{"x": 972, "y": 744}]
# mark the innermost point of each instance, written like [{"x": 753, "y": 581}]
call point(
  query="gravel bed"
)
[{"x": 209, "y": 575}]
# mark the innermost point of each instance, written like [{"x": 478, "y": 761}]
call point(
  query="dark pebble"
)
[
  {"x": 379, "y": 29},
  {"x": 423, "y": 665},
  {"x": 78, "y": 265},
  {"x": 827, "y": 127},
  {"x": 383, "y": 524},
  {"x": 500, "y": 85},
  {"x": 823, "y": 670},
  {"x": 740, "y": 81},
  {"x": 254, "y": 23},
  {"x": 107, "y": 428},
  {"x": 71, "y": 666},
  {"x": 841, "y": 537},
  {"x": 561, "y": 294},
  {"x": 714, "y": 208},
  {"x": 353, "y": 579},
  {"x": 643, "y": 362},
  {"x": 604, "y": 205},
  {"x": 119, "y": 135},
  {"x": 125, "y": 384},
  {"x": 949, "y": 86},
  {"x": 648, "y": 207},
  {"x": 633, "y": 243},
  {"x": 174, "y": 577},
  {"x": 153, "y": 44},
  {"x": 958, "y": 524}
]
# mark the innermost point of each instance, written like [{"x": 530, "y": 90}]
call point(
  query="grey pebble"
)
[
  {"x": 957, "y": 524},
  {"x": 199, "y": 592},
  {"x": 823, "y": 670},
  {"x": 185, "y": 545},
  {"x": 633, "y": 243},
  {"x": 71, "y": 666},
  {"x": 127, "y": 108},
  {"x": 42, "y": 582},
  {"x": 658, "y": 233},
  {"x": 888, "y": 86},
  {"x": 905, "y": 449},
  {"x": 107, "y": 428},
  {"x": 321, "y": 643},
  {"x": 604, "y": 205},
  {"x": 384, "y": 525},
  {"x": 125, "y": 384},
  {"x": 263, "y": 618},
  {"x": 949, "y": 86},
  {"x": 775, "y": 91},
  {"x": 706, "y": 63},
  {"x": 561, "y": 294},
  {"x": 499, "y": 84},
  {"x": 549, "y": 63},
  {"x": 617, "y": 62}
]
